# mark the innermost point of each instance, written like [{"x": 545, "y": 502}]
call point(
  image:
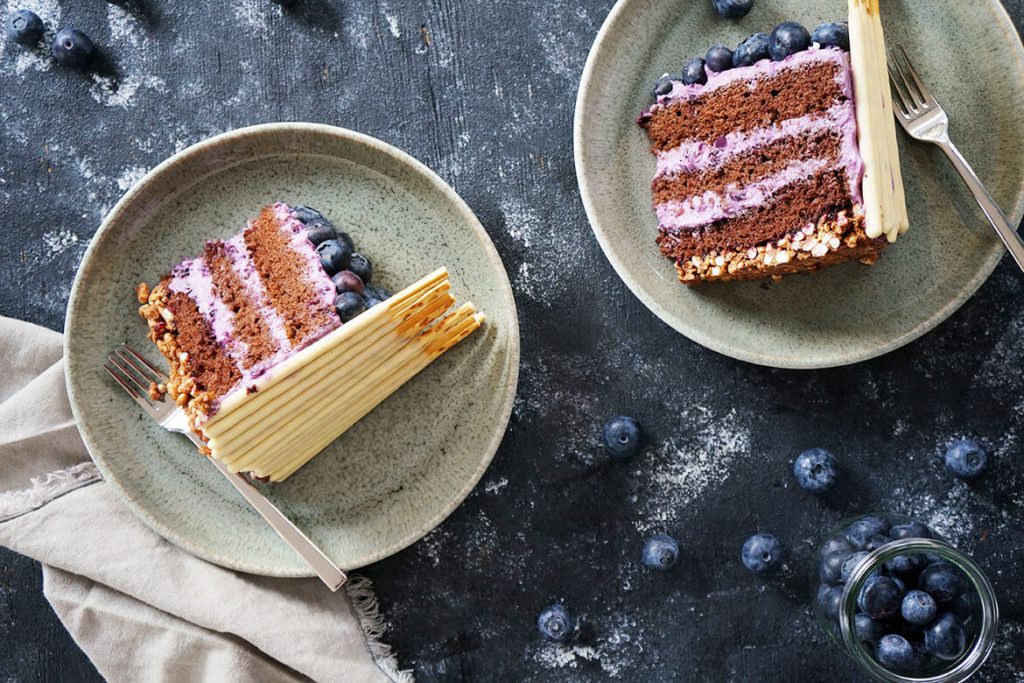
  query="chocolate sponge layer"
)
[
  {"x": 283, "y": 272},
  {"x": 737, "y": 107},
  {"x": 749, "y": 167},
  {"x": 793, "y": 207}
]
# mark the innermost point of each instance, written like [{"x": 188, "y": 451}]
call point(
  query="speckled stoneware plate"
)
[
  {"x": 401, "y": 470},
  {"x": 970, "y": 55}
]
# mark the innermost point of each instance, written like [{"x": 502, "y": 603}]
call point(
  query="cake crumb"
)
[
  {"x": 142, "y": 292},
  {"x": 157, "y": 391}
]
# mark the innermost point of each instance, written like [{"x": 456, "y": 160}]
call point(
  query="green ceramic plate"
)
[
  {"x": 401, "y": 470},
  {"x": 970, "y": 55}
]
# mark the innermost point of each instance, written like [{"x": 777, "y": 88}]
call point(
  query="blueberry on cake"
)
[
  {"x": 760, "y": 171},
  {"x": 283, "y": 314}
]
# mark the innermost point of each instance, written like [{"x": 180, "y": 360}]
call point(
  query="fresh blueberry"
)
[
  {"x": 375, "y": 295},
  {"x": 787, "y": 39},
  {"x": 911, "y": 529},
  {"x": 733, "y": 9},
  {"x": 349, "y": 305},
  {"x": 661, "y": 552},
  {"x": 835, "y": 34},
  {"x": 319, "y": 230},
  {"x": 830, "y": 601},
  {"x": 25, "y": 27},
  {"x": 943, "y": 581},
  {"x": 918, "y": 607},
  {"x": 662, "y": 86},
  {"x": 347, "y": 281},
  {"x": 347, "y": 239},
  {"x": 693, "y": 72},
  {"x": 362, "y": 267},
  {"x": 945, "y": 637},
  {"x": 900, "y": 584},
  {"x": 850, "y": 564},
  {"x": 867, "y": 629},
  {"x": 71, "y": 47},
  {"x": 836, "y": 544},
  {"x": 906, "y": 565},
  {"x": 880, "y": 597},
  {"x": 816, "y": 470},
  {"x": 555, "y": 624},
  {"x": 306, "y": 214},
  {"x": 622, "y": 436},
  {"x": 718, "y": 58},
  {"x": 762, "y": 554},
  {"x": 830, "y": 570},
  {"x": 966, "y": 459},
  {"x": 964, "y": 606},
  {"x": 335, "y": 256},
  {"x": 751, "y": 50},
  {"x": 859, "y": 531},
  {"x": 895, "y": 652},
  {"x": 876, "y": 542}
]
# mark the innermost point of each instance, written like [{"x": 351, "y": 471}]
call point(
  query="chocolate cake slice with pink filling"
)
[
  {"x": 759, "y": 164},
  {"x": 283, "y": 315}
]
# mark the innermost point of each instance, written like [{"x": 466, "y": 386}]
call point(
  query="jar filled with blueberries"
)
[{"x": 903, "y": 603}]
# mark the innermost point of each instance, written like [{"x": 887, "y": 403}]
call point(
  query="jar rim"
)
[{"x": 981, "y": 647}]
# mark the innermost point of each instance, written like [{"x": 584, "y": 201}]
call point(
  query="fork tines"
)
[
  {"x": 912, "y": 96},
  {"x": 135, "y": 374}
]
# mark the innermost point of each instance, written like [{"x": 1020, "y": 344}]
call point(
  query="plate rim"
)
[
  {"x": 458, "y": 204},
  {"x": 1001, "y": 19}
]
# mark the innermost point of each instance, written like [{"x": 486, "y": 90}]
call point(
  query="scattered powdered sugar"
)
[
  {"x": 495, "y": 486},
  {"x": 59, "y": 240},
  {"x": 521, "y": 220},
  {"x": 564, "y": 58},
  {"x": 614, "y": 650},
  {"x": 393, "y": 25},
  {"x": 429, "y": 546},
  {"x": 129, "y": 177},
  {"x": 32, "y": 59},
  {"x": 124, "y": 29},
  {"x": 360, "y": 29},
  {"x": 947, "y": 513},
  {"x": 252, "y": 14},
  {"x": 113, "y": 92},
  {"x": 681, "y": 470}
]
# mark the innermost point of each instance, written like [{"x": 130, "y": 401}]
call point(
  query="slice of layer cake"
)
[
  {"x": 283, "y": 312},
  {"x": 759, "y": 172},
  {"x": 226, "y": 317}
]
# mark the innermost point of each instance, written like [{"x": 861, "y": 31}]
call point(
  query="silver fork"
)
[
  {"x": 924, "y": 119},
  {"x": 136, "y": 375}
]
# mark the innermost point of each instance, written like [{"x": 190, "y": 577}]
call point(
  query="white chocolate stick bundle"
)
[
  {"x": 885, "y": 206},
  {"x": 337, "y": 380}
]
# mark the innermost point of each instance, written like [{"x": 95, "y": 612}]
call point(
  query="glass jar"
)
[{"x": 979, "y": 613}]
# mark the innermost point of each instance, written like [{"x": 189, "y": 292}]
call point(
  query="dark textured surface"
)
[{"x": 482, "y": 91}]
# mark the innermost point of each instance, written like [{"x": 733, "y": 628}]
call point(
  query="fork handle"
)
[
  {"x": 1007, "y": 233},
  {"x": 314, "y": 557}
]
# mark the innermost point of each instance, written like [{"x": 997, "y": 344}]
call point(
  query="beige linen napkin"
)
[{"x": 142, "y": 609}]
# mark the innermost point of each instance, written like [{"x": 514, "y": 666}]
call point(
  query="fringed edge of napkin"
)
[
  {"x": 364, "y": 602},
  {"x": 44, "y": 489}
]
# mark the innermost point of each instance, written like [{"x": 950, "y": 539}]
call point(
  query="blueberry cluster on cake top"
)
[
  {"x": 758, "y": 166},
  {"x": 247, "y": 303}
]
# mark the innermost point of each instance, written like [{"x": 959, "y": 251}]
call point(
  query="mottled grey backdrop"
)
[{"x": 483, "y": 91}]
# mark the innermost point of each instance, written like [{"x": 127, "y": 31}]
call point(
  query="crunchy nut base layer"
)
[
  {"x": 162, "y": 332},
  {"x": 830, "y": 242}
]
